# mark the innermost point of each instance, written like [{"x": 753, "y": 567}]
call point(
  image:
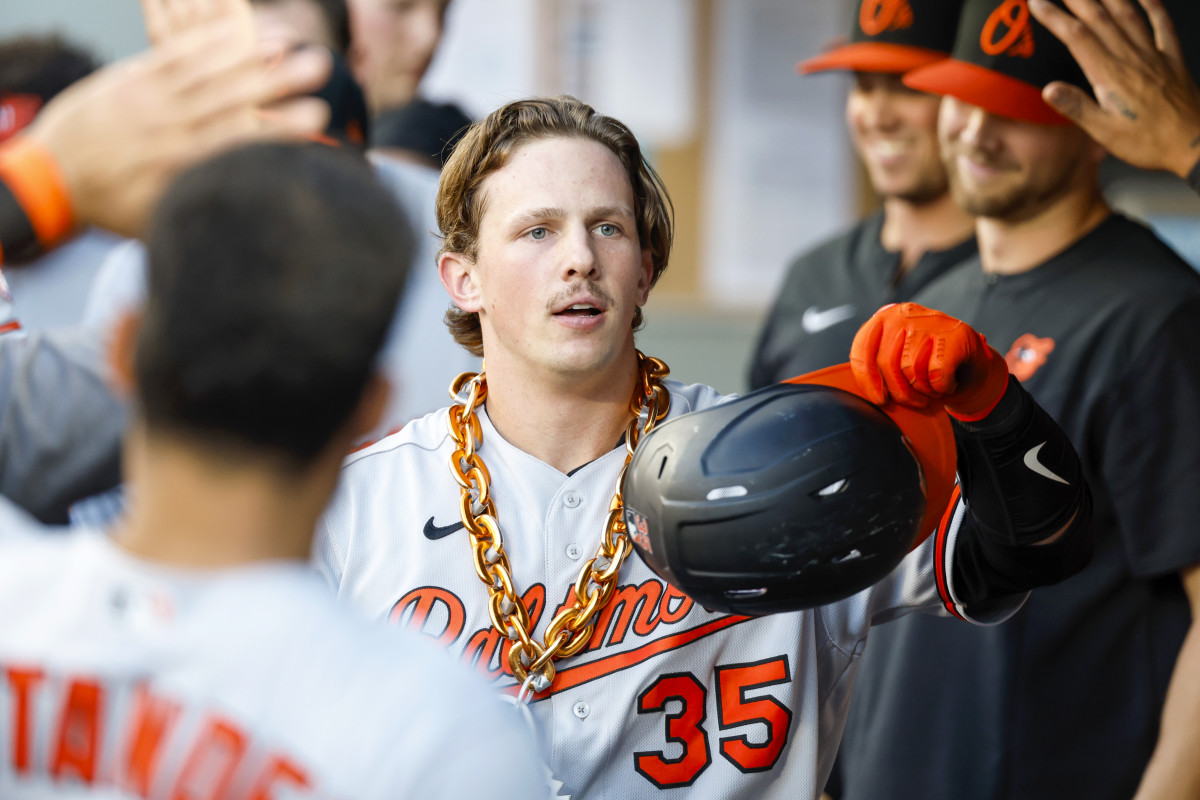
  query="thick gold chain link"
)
[{"x": 571, "y": 628}]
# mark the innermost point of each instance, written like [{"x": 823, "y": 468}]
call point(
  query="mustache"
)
[
  {"x": 577, "y": 288},
  {"x": 983, "y": 158}
]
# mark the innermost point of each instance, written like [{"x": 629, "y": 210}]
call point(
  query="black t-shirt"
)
[
  {"x": 1064, "y": 700},
  {"x": 830, "y": 291}
]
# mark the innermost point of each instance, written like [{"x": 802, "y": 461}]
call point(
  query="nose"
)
[
  {"x": 977, "y": 128},
  {"x": 877, "y": 110},
  {"x": 579, "y": 254}
]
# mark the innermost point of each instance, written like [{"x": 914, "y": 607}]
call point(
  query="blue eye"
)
[
  {"x": 538, "y": 233},
  {"x": 607, "y": 229}
]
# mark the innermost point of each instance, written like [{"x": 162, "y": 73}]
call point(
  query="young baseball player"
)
[
  {"x": 1092, "y": 691},
  {"x": 920, "y": 232},
  {"x": 192, "y": 651},
  {"x": 555, "y": 230}
]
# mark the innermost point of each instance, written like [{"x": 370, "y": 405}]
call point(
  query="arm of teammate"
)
[
  {"x": 1024, "y": 519},
  {"x": 60, "y": 423},
  {"x": 1172, "y": 773},
  {"x": 1147, "y": 107}
]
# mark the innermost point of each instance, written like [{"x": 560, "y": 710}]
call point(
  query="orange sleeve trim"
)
[
  {"x": 939, "y": 564},
  {"x": 33, "y": 177},
  {"x": 9, "y": 327}
]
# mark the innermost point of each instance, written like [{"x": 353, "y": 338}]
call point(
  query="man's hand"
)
[
  {"x": 913, "y": 355},
  {"x": 1147, "y": 107},
  {"x": 166, "y": 19},
  {"x": 120, "y": 134}
]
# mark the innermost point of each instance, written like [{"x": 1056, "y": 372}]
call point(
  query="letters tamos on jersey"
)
[
  {"x": 1008, "y": 30},
  {"x": 877, "y": 16}
]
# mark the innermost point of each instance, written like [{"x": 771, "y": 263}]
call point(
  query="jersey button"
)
[
  {"x": 570, "y": 500},
  {"x": 581, "y": 710},
  {"x": 574, "y": 551}
]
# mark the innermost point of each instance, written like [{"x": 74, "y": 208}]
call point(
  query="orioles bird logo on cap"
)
[
  {"x": 877, "y": 16},
  {"x": 1011, "y": 21}
]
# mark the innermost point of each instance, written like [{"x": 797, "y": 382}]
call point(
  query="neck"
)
[
  {"x": 913, "y": 229},
  {"x": 1008, "y": 247},
  {"x": 564, "y": 423},
  {"x": 191, "y": 508}
]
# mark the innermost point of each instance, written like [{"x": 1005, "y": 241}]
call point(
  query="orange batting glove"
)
[{"x": 913, "y": 355}]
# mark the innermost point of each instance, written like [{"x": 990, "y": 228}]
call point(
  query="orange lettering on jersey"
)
[
  {"x": 210, "y": 765},
  {"x": 666, "y": 614},
  {"x": 480, "y": 653},
  {"x": 21, "y": 683},
  {"x": 1010, "y": 21},
  {"x": 1027, "y": 355},
  {"x": 418, "y": 606},
  {"x": 278, "y": 773},
  {"x": 877, "y": 16},
  {"x": 149, "y": 727},
  {"x": 77, "y": 746},
  {"x": 628, "y": 602}
]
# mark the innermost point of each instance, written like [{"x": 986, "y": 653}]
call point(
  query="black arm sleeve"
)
[
  {"x": 17, "y": 238},
  {"x": 1021, "y": 483},
  {"x": 1193, "y": 178}
]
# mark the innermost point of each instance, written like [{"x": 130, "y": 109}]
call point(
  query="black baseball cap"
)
[
  {"x": 893, "y": 37},
  {"x": 1002, "y": 58}
]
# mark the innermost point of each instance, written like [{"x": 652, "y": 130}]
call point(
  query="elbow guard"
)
[{"x": 1023, "y": 483}]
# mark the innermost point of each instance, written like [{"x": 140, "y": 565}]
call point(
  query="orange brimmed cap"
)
[
  {"x": 1002, "y": 58},
  {"x": 893, "y": 37},
  {"x": 929, "y": 435}
]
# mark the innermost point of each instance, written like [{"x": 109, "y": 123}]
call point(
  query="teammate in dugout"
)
[
  {"x": 191, "y": 650},
  {"x": 920, "y": 232},
  {"x": 555, "y": 230},
  {"x": 1097, "y": 317}
]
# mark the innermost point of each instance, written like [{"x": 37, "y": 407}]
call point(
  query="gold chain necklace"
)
[{"x": 568, "y": 633}]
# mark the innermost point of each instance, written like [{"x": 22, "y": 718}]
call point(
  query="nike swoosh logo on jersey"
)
[
  {"x": 434, "y": 532},
  {"x": 815, "y": 320},
  {"x": 1031, "y": 461}
]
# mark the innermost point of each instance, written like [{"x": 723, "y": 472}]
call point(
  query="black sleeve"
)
[
  {"x": 1193, "y": 178},
  {"x": 1021, "y": 482},
  {"x": 17, "y": 238}
]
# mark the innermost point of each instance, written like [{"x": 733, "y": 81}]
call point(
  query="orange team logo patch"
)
[
  {"x": 1008, "y": 30},
  {"x": 877, "y": 16},
  {"x": 1027, "y": 355}
]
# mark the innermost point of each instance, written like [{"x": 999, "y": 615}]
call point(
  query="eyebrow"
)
[{"x": 549, "y": 212}]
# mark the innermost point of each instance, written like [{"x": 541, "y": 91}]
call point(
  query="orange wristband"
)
[{"x": 33, "y": 177}]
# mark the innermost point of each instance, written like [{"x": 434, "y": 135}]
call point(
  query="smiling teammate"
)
[
  {"x": 1099, "y": 677},
  {"x": 555, "y": 230},
  {"x": 920, "y": 233}
]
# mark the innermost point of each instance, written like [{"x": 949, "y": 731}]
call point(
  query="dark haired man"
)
[
  {"x": 191, "y": 650},
  {"x": 1092, "y": 690}
]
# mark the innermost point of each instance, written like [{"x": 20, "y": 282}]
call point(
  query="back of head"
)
[
  {"x": 33, "y": 69},
  {"x": 485, "y": 148},
  {"x": 274, "y": 272}
]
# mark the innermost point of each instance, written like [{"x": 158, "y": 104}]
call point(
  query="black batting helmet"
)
[{"x": 791, "y": 497}]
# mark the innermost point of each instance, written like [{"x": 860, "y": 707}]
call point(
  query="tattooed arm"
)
[{"x": 1147, "y": 107}]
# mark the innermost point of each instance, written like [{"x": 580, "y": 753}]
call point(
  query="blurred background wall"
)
[{"x": 756, "y": 158}]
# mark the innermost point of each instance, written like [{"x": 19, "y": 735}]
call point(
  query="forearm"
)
[
  {"x": 1174, "y": 771},
  {"x": 1028, "y": 505}
]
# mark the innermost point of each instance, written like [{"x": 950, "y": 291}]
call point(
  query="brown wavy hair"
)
[{"x": 485, "y": 148}]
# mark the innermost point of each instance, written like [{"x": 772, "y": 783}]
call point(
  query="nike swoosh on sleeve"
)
[{"x": 1031, "y": 461}]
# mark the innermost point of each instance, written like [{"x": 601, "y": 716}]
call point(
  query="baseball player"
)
[
  {"x": 491, "y": 526},
  {"x": 1091, "y": 691},
  {"x": 192, "y": 651},
  {"x": 920, "y": 233}
]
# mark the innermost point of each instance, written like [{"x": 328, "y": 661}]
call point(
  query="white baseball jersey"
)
[
  {"x": 120, "y": 679},
  {"x": 668, "y": 699}
]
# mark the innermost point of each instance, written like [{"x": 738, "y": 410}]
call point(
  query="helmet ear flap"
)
[{"x": 787, "y": 498}]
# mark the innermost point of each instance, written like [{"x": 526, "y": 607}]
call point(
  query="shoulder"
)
[
  {"x": 686, "y": 398},
  {"x": 418, "y": 439},
  {"x": 834, "y": 253}
]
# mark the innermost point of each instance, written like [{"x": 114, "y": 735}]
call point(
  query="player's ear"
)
[
  {"x": 370, "y": 408},
  {"x": 645, "y": 277},
  {"x": 122, "y": 352},
  {"x": 459, "y": 276}
]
